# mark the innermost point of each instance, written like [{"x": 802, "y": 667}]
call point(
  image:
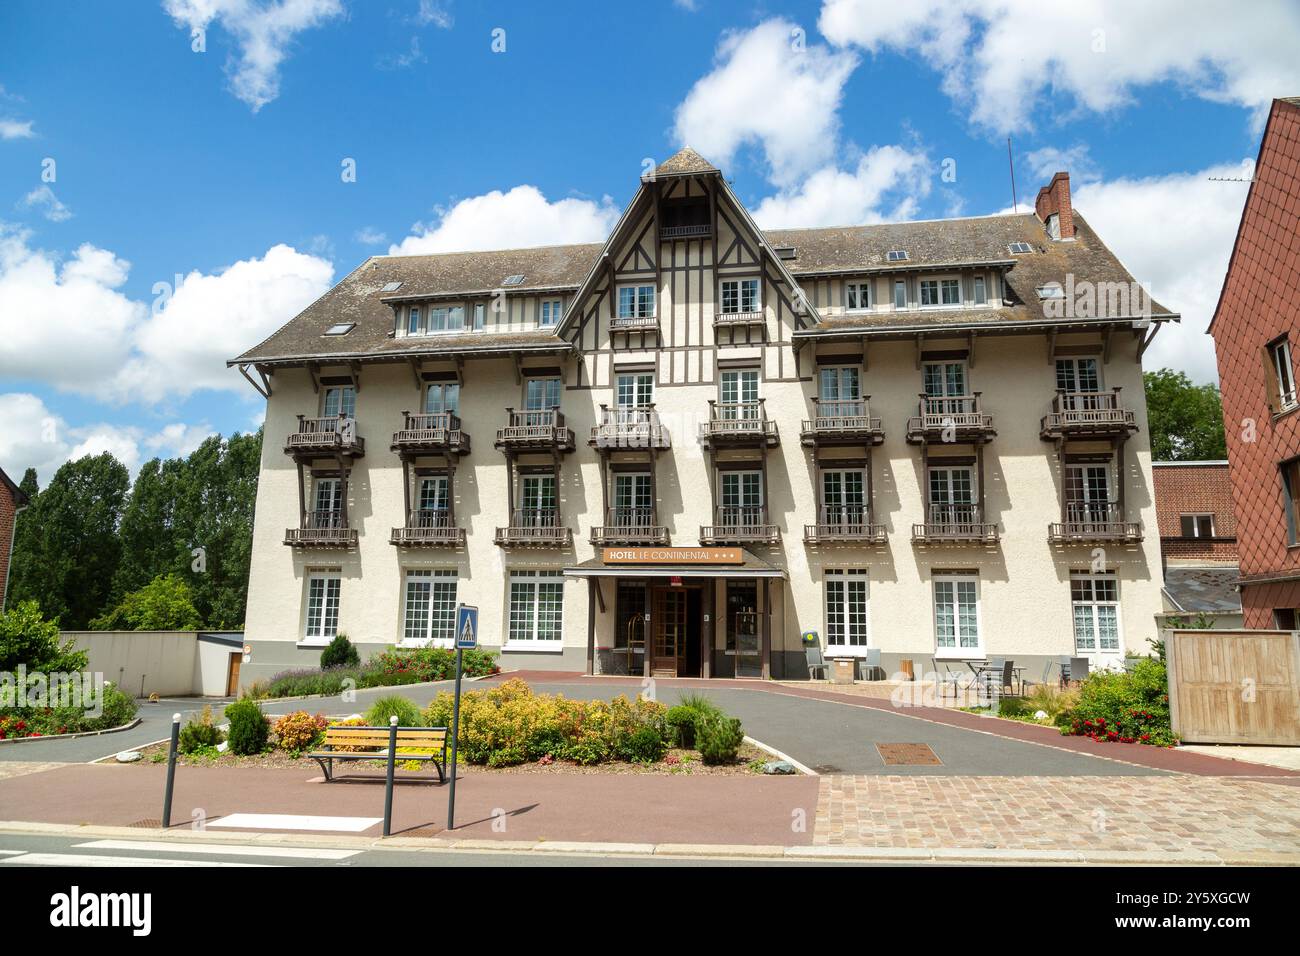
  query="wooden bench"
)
[{"x": 375, "y": 742}]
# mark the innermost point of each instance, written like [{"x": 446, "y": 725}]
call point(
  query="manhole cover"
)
[
  {"x": 908, "y": 755},
  {"x": 429, "y": 832},
  {"x": 826, "y": 768}
]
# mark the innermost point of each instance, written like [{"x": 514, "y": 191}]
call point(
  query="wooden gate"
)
[{"x": 1235, "y": 687}]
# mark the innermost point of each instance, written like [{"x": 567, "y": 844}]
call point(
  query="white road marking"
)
[
  {"x": 90, "y": 859},
  {"x": 290, "y": 821},
  {"x": 12, "y": 852},
  {"x": 219, "y": 849}
]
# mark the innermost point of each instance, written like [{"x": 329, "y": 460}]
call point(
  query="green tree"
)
[
  {"x": 1186, "y": 420},
  {"x": 164, "y": 604},
  {"x": 148, "y": 532},
  {"x": 28, "y": 638},
  {"x": 70, "y": 548}
]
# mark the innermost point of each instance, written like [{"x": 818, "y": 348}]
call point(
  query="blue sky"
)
[{"x": 223, "y": 167}]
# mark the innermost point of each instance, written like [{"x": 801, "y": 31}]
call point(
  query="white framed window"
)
[
  {"x": 857, "y": 296},
  {"x": 441, "y": 397},
  {"x": 429, "y": 608},
  {"x": 414, "y": 320},
  {"x": 1094, "y": 599},
  {"x": 929, "y": 292},
  {"x": 633, "y": 389},
  {"x": 950, "y": 291},
  {"x": 541, "y": 394},
  {"x": 1087, "y": 493},
  {"x": 321, "y": 622},
  {"x": 327, "y": 503},
  {"x": 1197, "y": 526},
  {"x": 549, "y": 313},
  {"x": 979, "y": 294},
  {"x": 1078, "y": 374},
  {"x": 636, "y": 302},
  {"x": 339, "y": 400},
  {"x": 633, "y": 500},
  {"x": 480, "y": 316},
  {"x": 957, "y": 617},
  {"x": 537, "y": 500},
  {"x": 844, "y": 496},
  {"x": 536, "y": 611},
  {"x": 839, "y": 383},
  {"x": 944, "y": 379},
  {"x": 739, "y": 296},
  {"x": 434, "y": 496},
  {"x": 445, "y": 318},
  {"x": 742, "y": 498},
  {"x": 952, "y": 495},
  {"x": 1279, "y": 354},
  {"x": 738, "y": 393},
  {"x": 848, "y": 630},
  {"x": 941, "y": 292},
  {"x": 900, "y": 293}
]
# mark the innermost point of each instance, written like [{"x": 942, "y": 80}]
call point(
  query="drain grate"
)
[
  {"x": 424, "y": 832},
  {"x": 147, "y": 824},
  {"x": 908, "y": 755}
]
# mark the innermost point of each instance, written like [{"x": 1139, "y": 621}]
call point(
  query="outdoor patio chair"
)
[
  {"x": 1078, "y": 668},
  {"x": 869, "y": 664},
  {"x": 1064, "y": 664},
  {"x": 813, "y": 655},
  {"x": 944, "y": 678}
]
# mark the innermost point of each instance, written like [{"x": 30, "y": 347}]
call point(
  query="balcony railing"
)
[
  {"x": 685, "y": 232},
  {"x": 841, "y": 421},
  {"x": 1087, "y": 521},
  {"x": 322, "y": 529},
  {"x": 429, "y": 528},
  {"x": 950, "y": 418},
  {"x": 1084, "y": 414},
  {"x": 624, "y": 426},
  {"x": 740, "y": 525},
  {"x": 844, "y": 523},
  {"x": 334, "y": 435},
  {"x": 534, "y": 528},
  {"x": 954, "y": 524},
  {"x": 634, "y": 322},
  {"x": 543, "y": 429},
  {"x": 629, "y": 526},
  {"x": 434, "y": 432},
  {"x": 738, "y": 424},
  {"x": 753, "y": 317}
]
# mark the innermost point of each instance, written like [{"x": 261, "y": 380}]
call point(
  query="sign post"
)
[{"x": 466, "y": 639}]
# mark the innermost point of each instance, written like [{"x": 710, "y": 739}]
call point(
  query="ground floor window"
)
[
  {"x": 956, "y": 616},
  {"x": 536, "y": 608},
  {"x": 1095, "y": 598},
  {"x": 846, "y": 611},
  {"x": 322, "y": 622},
  {"x": 430, "y": 615}
]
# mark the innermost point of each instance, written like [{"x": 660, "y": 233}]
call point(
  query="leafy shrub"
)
[
  {"x": 115, "y": 709},
  {"x": 299, "y": 731},
  {"x": 1013, "y": 707},
  {"x": 249, "y": 728},
  {"x": 408, "y": 714},
  {"x": 200, "y": 733},
  {"x": 643, "y": 745},
  {"x": 680, "y": 721},
  {"x": 421, "y": 664},
  {"x": 164, "y": 604},
  {"x": 719, "y": 738},
  {"x": 1123, "y": 707},
  {"x": 27, "y": 638},
  {"x": 339, "y": 653}
]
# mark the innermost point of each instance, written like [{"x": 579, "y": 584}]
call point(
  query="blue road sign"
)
[{"x": 466, "y": 627}]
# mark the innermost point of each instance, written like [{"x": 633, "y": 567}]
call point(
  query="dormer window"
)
[
  {"x": 857, "y": 296},
  {"x": 896, "y": 255},
  {"x": 940, "y": 292},
  {"x": 900, "y": 293},
  {"x": 979, "y": 295},
  {"x": 447, "y": 318},
  {"x": 414, "y": 321},
  {"x": 1053, "y": 225},
  {"x": 549, "y": 313}
]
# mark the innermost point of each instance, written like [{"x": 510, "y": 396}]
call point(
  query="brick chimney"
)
[{"x": 1054, "y": 200}]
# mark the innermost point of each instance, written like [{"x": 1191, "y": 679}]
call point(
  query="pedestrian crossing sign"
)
[{"x": 466, "y": 627}]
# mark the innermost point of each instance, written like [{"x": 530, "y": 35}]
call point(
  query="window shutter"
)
[{"x": 1272, "y": 392}]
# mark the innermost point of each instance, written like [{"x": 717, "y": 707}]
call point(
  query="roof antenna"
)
[{"x": 1015, "y": 206}]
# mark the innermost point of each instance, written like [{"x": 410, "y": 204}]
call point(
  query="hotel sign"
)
[{"x": 673, "y": 556}]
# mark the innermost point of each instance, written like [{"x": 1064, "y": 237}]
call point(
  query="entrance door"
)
[
  {"x": 232, "y": 674},
  {"x": 668, "y": 617}
]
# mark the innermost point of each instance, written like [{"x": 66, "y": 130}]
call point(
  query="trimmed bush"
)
[
  {"x": 680, "y": 721},
  {"x": 339, "y": 653},
  {"x": 719, "y": 738},
  {"x": 643, "y": 745},
  {"x": 200, "y": 733},
  {"x": 408, "y": 714},
  {"x": 249, "y": 728},
  {"x": 1123, "y": 707},
  {"x": 299, "y": 731}
]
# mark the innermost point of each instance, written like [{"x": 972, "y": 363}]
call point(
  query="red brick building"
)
[
  {"x": 1194, "y": 512},
  {"x": 12, "y": 501},
  {"x": 1256, "y": 331}
]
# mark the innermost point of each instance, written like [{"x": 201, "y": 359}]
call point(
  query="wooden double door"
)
[{"x": 675, "y": 631}]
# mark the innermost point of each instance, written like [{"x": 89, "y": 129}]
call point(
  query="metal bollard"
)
[
  {"x": 171, "y": 771},
  {"x": 455, "y": 733},
  {"x": 392, "y": 764}
]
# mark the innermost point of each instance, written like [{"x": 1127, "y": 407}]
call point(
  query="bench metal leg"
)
[{"x": 327, "y": 770}]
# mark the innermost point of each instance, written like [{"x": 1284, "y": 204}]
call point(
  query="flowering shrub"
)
[
  {"x": 299, "y": 731},
  {"x": 117, "y": 708},
  {"x": 432, "y": 663},
  {"x": 390, "y": 668},
  {"x": 1126, "y": 708}
]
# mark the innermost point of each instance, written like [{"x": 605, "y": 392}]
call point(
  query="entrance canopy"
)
[{"x": 669, "y": 562}]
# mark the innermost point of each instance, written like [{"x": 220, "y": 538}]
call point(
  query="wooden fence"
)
[{"x": 1235, "y": 687}]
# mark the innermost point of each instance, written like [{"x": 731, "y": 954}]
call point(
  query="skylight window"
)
[
  {"x": 391, "y": 286},
  {"x": 1019, "y": 247},
  {"x": 341, "y": 328},
  {"x": 512, "y": 280},
  {"x": 896, "y": 255},
  {"x": 1051, "y": 290}
]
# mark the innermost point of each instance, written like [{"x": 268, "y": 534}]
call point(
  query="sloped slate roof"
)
[{"x": 1203, "y": 589}]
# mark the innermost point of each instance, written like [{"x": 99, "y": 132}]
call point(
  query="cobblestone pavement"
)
[{"x": 1151, "y": 813}]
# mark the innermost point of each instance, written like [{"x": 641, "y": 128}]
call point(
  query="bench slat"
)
[{"x": 346, "y": 755}]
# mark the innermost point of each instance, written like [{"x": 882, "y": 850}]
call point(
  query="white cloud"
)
[
  {"x": 1075, "y": 160},
  {"x": 690, "y": 6},
  {"x": 369, "y": 236},
  {"x": 835, "y": 197},
  {"x": 435, "y": 12},
  {"x": 402, "y": 61},
  {"x": 264, "y": 31},
  {"x": 36, "y": 437},
  {"x": 507, "y": 220},
  {"x": 768, "y": 87},
  {"x": 51, "y": 207},
  {"x": 1002, "y": 58},
  {"x": 1174, "y": 233},
  {"x": 16, "y": 129}
]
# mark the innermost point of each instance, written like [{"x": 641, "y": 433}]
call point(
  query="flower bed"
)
[
  {"x": 21, "y": 722},
  {"x": 1123, "y": 707},
  {"x": 390, "y": 668}
]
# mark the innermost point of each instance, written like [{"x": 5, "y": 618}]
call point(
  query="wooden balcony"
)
[
  {"x": 844, "y": 524},
  {"x": 428, "y": 529},
  {"x": 1086, "y": 415},
  {"x": 322, "y": 529},
  {"x": 723, "y": 320},
  {"x": 534, "y": 528},
  {"x": 625, "y": 526},
  {"x": 1092, "y": 523},
  {"x": 634, "y": 323},
  {"x": 325, "y": 437},
  {"x": 685, "y": 232},
  {"x": 954, "y": 524},
  {"x": 541, "y": 430},
  {"x": 740, "y": 526},
  {"x": 434, "y": 433},
  {"x": 738, "y": 425},
  {"x": 628, "y": 427},
  {"x": 955, "y": 418},
  {"x": 841, "y": 423}
]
